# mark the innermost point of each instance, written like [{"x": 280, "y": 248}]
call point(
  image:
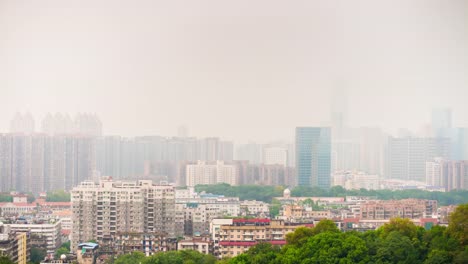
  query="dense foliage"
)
[
  {"x": 244, "y": 192},
  {"x": 64, "y": 249},
  {"x": 170, "y": 257},
  {"x": 266, "y": 193},
  {"x": 5, "y": 260},
  {"x": 6, "y": 197},
  {"x": 58, "y": 196},
  {"x": 37, "y": 254},
  {"x": 399, "y": 241}
]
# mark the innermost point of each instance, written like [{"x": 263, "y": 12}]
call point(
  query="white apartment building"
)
[
  {"x": 255, "y": 208},
  {"x": 210, "y": 173},
  {"x": 102, "y": 209},
  {"x": 352, "y": 180},
  {"x": 47, "y": 234},
  {"x": 433, "y": 172}
]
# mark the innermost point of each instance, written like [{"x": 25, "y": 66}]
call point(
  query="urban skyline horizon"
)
[{"x": 422, "y": 128}]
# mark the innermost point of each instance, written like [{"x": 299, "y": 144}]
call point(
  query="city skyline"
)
[{"x": 236, "y": 70}]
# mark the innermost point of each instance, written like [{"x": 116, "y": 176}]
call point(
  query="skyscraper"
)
[
  {"x": 22, "y": 123},
  {"x": 313, "y": 156},
  {"x": 441, "y": 118},
  {"x": 407, "y": 156}
]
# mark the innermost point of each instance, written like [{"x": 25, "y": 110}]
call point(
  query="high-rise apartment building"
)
[
  {"x": 251, "y": 152},
  {"x": 6, "y": 162},
  {"x": 313, "y": 156},
  {"x": 62, "y": 124},
  {"x": 22, "y": 123},
  {"x": 407, "y": 156},
  {"x": 101, "y": 210},
  {"x": 210, "y": 173},
  {"x": 441, "y": 118},
  {"x": 451, "y": 175},
  {"x": 275, "y": 156}
]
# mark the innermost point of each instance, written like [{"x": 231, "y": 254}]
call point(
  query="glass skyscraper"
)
[{"x": 313, "y": 156}]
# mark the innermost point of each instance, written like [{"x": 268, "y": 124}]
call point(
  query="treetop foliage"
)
[{"x": 267, "y": 193}]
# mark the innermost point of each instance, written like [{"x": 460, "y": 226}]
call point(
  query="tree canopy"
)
[{"x": 267, "y": 193}]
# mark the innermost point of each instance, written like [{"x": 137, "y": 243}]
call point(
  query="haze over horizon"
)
[{"x": 243, "y": 70}]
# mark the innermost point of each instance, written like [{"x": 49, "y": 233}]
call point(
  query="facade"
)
[
  {"x": 102, "y": 209},
  {"x": 450, "y": 175},
  {"x": 262, "y": 174},
  {"x": 242, "y": 234},
  {"x": 42, "y": 234},
  {"x": 407, "y": 156},
  {"x": 14, "y": 245},
  {"x": 62, "y": 124},
  {"x": 301, "y": 213},
  {"x": 22, "y": 123},
  {"x": 407, "y": 208},
  {"x": 353, "y": 180},
  {"x": 194, "y": 212},
  {"x": 313, "y": 156},
  {"x": 211, "y": 173},
  {"x": 202, "y": 244},
  {"x": 37, "y": 162},
  {"x": 255, "y": 208},
  {"x": 148, "y": 243},
  {"x": 275, "y": 155}
]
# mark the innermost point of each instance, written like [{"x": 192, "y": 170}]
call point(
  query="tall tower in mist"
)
[
  {"x": 441, "y": 118},
  {"x": 338, "y": 110},
  {"x": 313, "y": 156},
  {"x": 22, "y": 123}
]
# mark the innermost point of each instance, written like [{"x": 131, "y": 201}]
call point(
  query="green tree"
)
[
  {"x": 461, "y": 257},
  {"x": 396, "y": 248},
  {"x": 299, "y": 236},
  {"x": 37, "y": 254},
  {"x": 262, "y": 253},
  {"x": 439, "y": 257},
  {"x": 332, "y": 247},
  {"x": 132, "y": 258},
  {"x": 6, "y": 197},
  {"x": 5, "y": 260},
  {"x": 404, "y": 226},
  {"x": 275, "y": 208},
  {"x": 458, "y": 224},
  {"x": 66, "y": 245},
  {"x": 58, "y": 196},
  {"x": 325, "y": 226},
  {"x": 61, "y": 251},
  {"x": 170, "y": 257}
]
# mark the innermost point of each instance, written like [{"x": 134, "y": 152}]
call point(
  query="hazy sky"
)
[{"x": 244, "y": 69}]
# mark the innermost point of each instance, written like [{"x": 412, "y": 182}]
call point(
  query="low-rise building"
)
[
  {"x": 43, "y": 234},
  {"x": 202, "y": 244},
  {"x": 242, "y": 234},
  {"x": 406, "y": 208},
  {"x": 14, "y": 244},
  {"x": 254, "y": 208},
  {"x": 148, "y": 243}
]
